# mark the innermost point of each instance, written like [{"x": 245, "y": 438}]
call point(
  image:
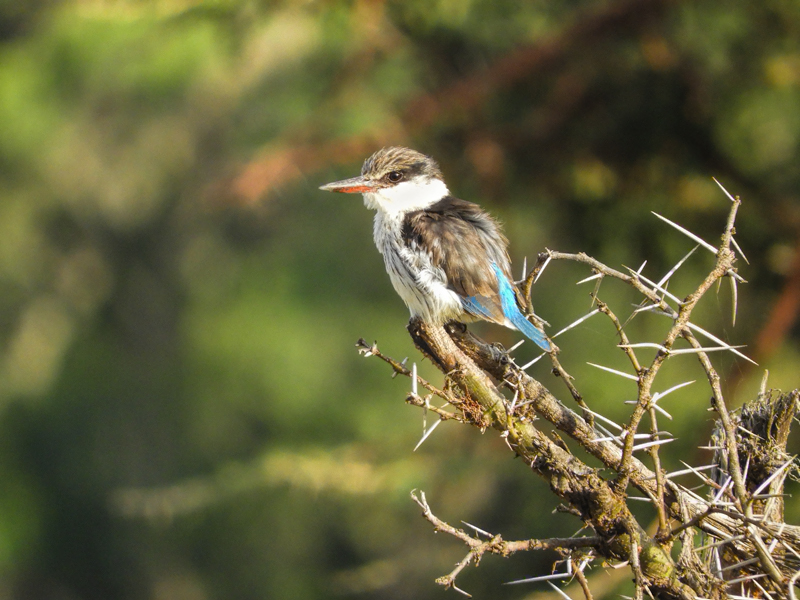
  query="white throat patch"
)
[{"x": 406, "y": 196}]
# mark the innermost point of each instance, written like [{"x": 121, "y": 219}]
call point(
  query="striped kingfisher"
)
[{"x": 446, "y": 257}]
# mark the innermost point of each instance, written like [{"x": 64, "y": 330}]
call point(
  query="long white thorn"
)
[
  {"x": 743, "y": 563},
  {"x": 560, "y": 592},
  {"x": 540, "y": 578},
  {"x": 584, "y": 563},
  {"x": 746, "y": 578},
  {"x": 610, "y": 370},
  {"x": 655, "y": 308},
  {"x": 427, "y": 434},
  {"x": 610, "y": 437},
  {"x": 714, "y": 338},
  {"x": 660, "y": 288},
  {"x": 769, "y": 479},
  {"x": 722, "y": 490},
  {"x": 644, "y": 436},
  {"x": 697, "y": 472},
  {"x": 604, "y": 419},
  {"x": 643, "y": 345},
  {"x": 534, "y": 361},
  {"x": 478, "y": 530},
  {"x": 789, "y": 548},
  {"x": 746, "y": 430},
  {"x": 718, "y": 562},
  {"x": 653, "y": 443},
  {"x": 767, "y": 595},
  {"x": 706, "y": 349},
  {"x": 658, "y": 395},
  {"x": 578, "y": 322},
  {"x": 544, "y": 266},
  {"x": 514, "y": 401},
  {"x": 708, "y": 246},
  {"x": 677, "y": 266},
  {"x": 688, "y": 234},
  {"x": 524, "y": 268},
  {"x": 662, "y": 411},
  {"x": 590, "y": 278},
  {"x": 734, "y": 300},
  {"x": 739, "y": 250},
  {"x": 731, "y": 198},
  {"x": 515, "y": 346},
  {"x": 693, "y": 494},
  {"x": 687, "y": 471}
]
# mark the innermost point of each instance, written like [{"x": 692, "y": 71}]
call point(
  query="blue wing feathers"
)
[
  {"x": 512, "y": 312},
  {"x": 483, "y": 307},
  {"x": 529, "y": 330},
  {"x": 474, "y": 306}
]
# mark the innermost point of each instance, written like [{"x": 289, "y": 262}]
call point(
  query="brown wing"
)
[{"x": 463, "y": 241}]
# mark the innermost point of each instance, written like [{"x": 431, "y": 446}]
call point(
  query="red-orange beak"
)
[{"x": 354, "y": 185}]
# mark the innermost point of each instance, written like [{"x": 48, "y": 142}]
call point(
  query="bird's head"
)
[{"x": 395, "y": 180}]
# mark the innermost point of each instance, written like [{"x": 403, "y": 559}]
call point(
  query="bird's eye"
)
[{"x": 394, "y": 176}]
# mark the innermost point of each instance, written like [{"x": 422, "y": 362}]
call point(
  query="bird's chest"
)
[
  {"x": 422, "y": 285},
  {"x": 405, "y": 263}
]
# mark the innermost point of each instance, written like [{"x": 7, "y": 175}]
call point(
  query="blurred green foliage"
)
[{"x": 184, "y": 414}]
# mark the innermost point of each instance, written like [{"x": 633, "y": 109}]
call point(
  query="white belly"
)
[{"x": 421, "y": 286}]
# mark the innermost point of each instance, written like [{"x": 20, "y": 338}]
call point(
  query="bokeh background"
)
[{"x": 183, "y": 413}]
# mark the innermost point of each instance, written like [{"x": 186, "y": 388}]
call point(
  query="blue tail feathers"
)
[
  {"x": 512, "y": 312},
  {"x": 474, "y": 306}
]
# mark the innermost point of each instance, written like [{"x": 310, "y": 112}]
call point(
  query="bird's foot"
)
[{"x": 499, "y": 353}]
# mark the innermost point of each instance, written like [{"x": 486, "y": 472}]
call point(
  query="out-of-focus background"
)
[{"x": 183, "y": 414}]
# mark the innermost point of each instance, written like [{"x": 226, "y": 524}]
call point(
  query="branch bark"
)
[{"x": 600, "y": 506}]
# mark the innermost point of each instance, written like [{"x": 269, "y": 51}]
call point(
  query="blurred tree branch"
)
[
  {"x": 303, "y": 152},
  {"x": 784, "y": 313}
]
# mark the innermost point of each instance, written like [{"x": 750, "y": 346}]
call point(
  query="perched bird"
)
[{"x": 446, "y": 257}]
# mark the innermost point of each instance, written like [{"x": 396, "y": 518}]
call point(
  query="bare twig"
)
[{"x": 494, "y": 545}]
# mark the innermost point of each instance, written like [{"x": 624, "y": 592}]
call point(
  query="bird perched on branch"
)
[{"x": 446, "y": 257}]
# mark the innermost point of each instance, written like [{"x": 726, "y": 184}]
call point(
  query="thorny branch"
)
[
  {"x": 495, "y": 544},
  {"x": 746, "y": 546}
]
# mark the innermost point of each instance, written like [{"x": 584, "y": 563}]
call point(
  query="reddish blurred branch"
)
[
  {"x": 784, "y": 313},
  {"x": 286, "y": 159}
]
